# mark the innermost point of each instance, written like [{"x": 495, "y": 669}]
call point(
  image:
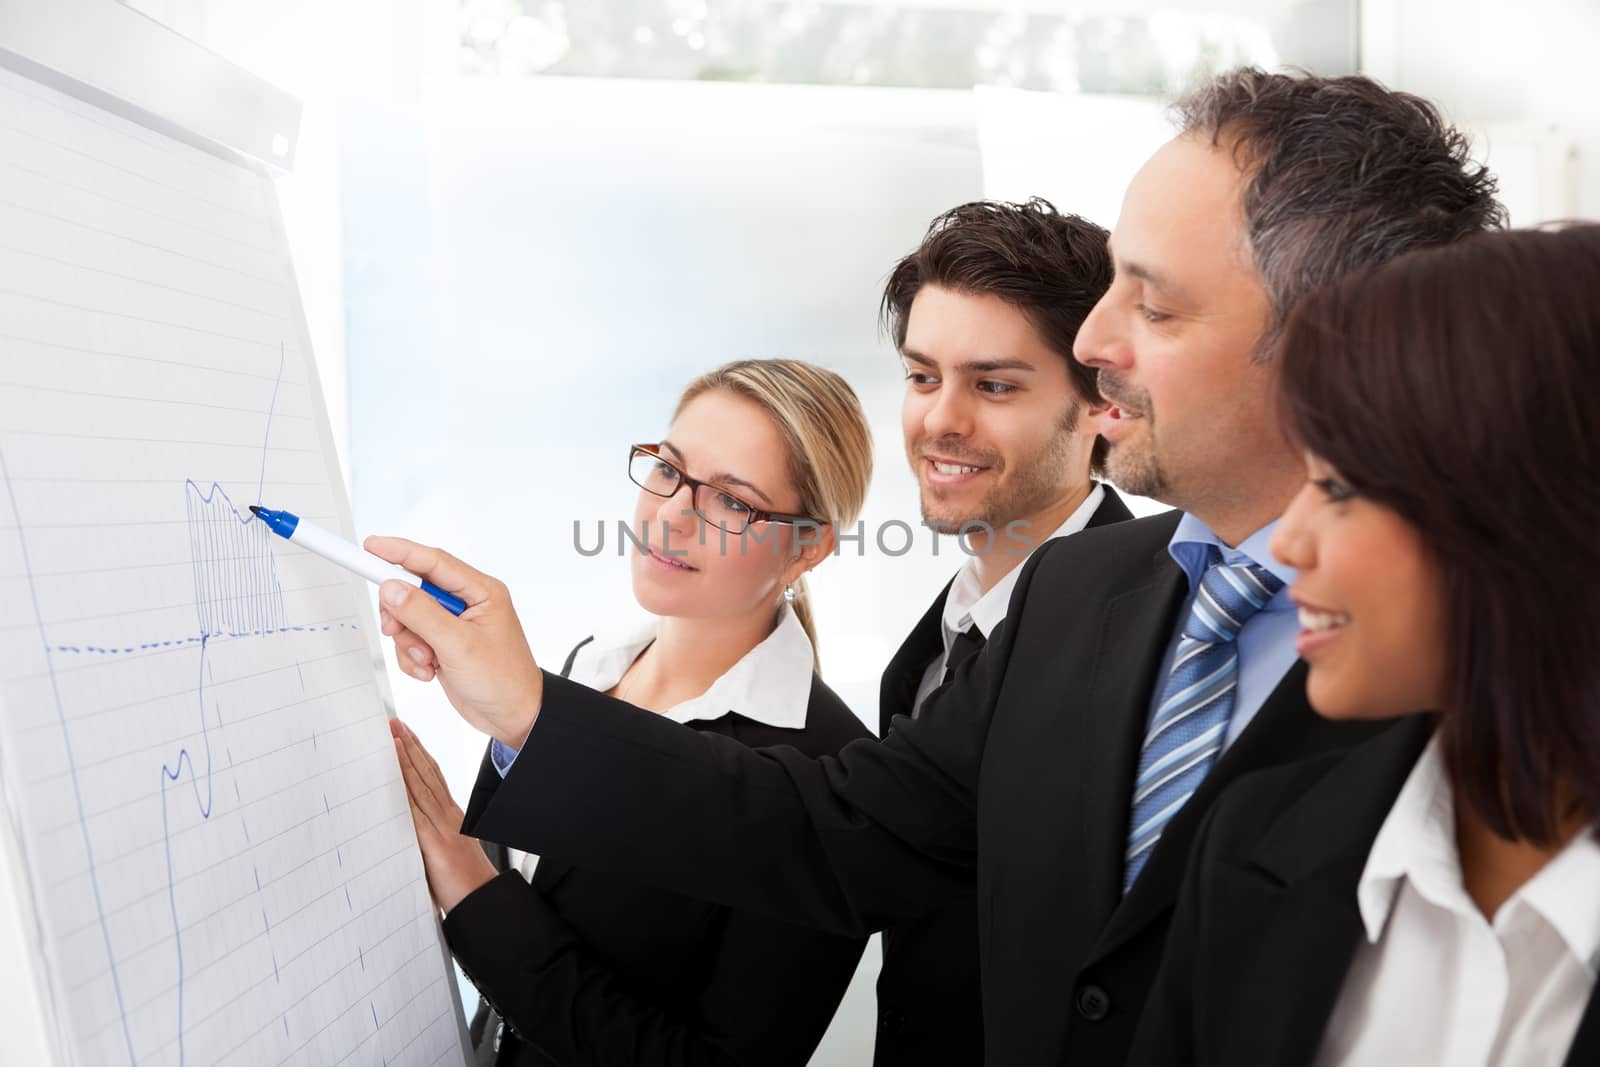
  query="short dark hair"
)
[
  {"x": 1457, "y": 387},
  {"x": 1344, "y": 174},
  {"x": 1051, "y": 267}
]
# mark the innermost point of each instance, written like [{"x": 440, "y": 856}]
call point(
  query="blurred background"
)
[{"x": 521, "y": 226}]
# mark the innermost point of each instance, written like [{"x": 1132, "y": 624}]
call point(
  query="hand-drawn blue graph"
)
[{"x": 193, "y": 747}]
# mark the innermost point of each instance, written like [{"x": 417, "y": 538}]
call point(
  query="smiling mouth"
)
[
  {"x": 669, "y": 561},
  {"x": 941, "y": 474},
  {"x": 1113, "y": 418},
  {"x": 954, "y": 468},
  {"x": 1122, "y": 411},
  {"x": 1315, "y": 621}
]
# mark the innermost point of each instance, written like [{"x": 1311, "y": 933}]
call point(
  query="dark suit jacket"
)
[
  {"x": 587, "y": 967},
  {"x": 930, "y": 1007},
  {"x": 1017, "y": 775},
  {"x": 1268, "y": 921}
]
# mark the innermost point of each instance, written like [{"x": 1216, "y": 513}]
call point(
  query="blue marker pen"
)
[{"x": 336, "y": 549}]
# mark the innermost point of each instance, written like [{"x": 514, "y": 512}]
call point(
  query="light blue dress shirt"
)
[
  {"x": 502, "y": 756},
  {"x": 1266, "y": 643}
]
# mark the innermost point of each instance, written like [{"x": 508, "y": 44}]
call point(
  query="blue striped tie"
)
[{"x": 1190, "y": 725}]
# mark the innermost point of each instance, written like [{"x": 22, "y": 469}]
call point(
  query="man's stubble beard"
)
[
  {"x": 1133, "y": 468},
  {"x": 1138, "y": 470},
  {"x": 1027, "y": 492}
]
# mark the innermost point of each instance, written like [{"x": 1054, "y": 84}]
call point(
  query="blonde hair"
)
[{"x": 829, "y": 442}]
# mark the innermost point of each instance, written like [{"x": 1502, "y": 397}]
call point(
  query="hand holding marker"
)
[{"x": 336, "y": 549}]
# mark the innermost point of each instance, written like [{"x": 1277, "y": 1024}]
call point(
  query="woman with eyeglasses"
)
[
  {"x": 1433, "y": 897},
  {"x": 763, "y": 461}
]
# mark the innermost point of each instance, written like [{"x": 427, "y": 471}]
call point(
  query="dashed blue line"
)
[{"x": 97, "y": 650}]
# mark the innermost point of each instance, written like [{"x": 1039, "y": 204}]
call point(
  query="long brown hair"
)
[{"x": 1459, "y": 387}]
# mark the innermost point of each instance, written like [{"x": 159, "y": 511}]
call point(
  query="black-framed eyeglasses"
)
[{"x": 655, "y": 474}]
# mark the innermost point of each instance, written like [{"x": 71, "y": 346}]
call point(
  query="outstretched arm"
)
[{"x": 846, "y": 843}]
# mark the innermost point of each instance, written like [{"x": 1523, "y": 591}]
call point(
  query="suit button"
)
[
  {"x": 1094, "y": 1003},
  {"x": 891, "y": 1022}
]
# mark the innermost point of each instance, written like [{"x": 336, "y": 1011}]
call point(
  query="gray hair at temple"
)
[{"x": 1344, "y": 174}]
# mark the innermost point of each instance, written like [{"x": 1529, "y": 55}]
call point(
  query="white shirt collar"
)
[
  {"x": 770, "y": 684},
  {"x": 964, "y": 607},
  {"x": 1417, "y": 844}
]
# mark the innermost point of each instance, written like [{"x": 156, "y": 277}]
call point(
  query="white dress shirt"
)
[
  {"x": 770, "y": 684},
  {"x": 965, "y": 606},
  {"x": 1434, "y": 983}
]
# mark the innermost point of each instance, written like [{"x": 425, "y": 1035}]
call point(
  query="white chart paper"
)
[{"x": 219, "y": 862}]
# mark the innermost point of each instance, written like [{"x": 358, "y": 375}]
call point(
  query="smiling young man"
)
[
  {"x": 999, "y": 425},
  {"x": 1064, "y": 769}
]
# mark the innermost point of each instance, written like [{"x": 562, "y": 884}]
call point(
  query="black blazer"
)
[
  {"x": 1268, "y": 921},
  {"x": 1017, "y": 775},
  {"x": 587, "y": 967},
  {"x": 930, "y": 1007}
]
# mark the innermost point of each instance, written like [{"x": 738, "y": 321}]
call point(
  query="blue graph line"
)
[
  {"x": 267, "y": 433},
  {"x": 235, "y": 580},
  {"x": 237, "y": 595},
  {"x": 171, "y": 774},
  {"x": 72, "y": 763},
  {"x": 236, "y": 591}
]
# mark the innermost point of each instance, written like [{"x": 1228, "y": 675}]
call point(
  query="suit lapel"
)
[
  {"x": 1133, "y": 638},
  {"x": 1111, "y": 510},
  {"x": 1292, "y": 922},
  {"x": 903, "y": 676},
  {"x": 898, "y": 691},
  {"x": 1289, "y": 948},
  {"x": 1285, "y": 729},
  {"x": 1270, "y": 738},
  {"x": 1585, "y": 1048}
]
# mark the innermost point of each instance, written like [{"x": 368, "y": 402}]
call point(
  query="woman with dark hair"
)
[{"x": 1432, "y": 897}]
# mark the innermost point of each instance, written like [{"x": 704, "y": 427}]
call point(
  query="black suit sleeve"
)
[
  {"x": 773, "y": 990},
  {"x": 849, "y": 843}
]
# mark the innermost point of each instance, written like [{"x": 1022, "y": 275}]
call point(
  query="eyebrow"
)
[
  {"x": 1146, "y": 274},
  {"x": 973, "y": 366},
  {"x": 722, "y": 478}
]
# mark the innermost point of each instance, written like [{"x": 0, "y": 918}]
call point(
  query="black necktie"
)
[{"x": 963, "y": 648}]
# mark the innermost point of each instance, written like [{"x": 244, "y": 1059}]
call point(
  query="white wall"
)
[
  {"x": 537, "y": 268},
  {"x": 1521, "y": 74}
]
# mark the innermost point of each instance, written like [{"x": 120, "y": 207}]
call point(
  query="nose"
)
[
  {"x": 950, "y": 414},
  {"x": 1101, "y": 341},
  {"x": 676, "y": 512},
  {"x": 1293, "y": 542}
]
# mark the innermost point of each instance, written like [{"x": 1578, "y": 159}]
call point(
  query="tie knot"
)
[{"x": 1230, "y": 594}]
